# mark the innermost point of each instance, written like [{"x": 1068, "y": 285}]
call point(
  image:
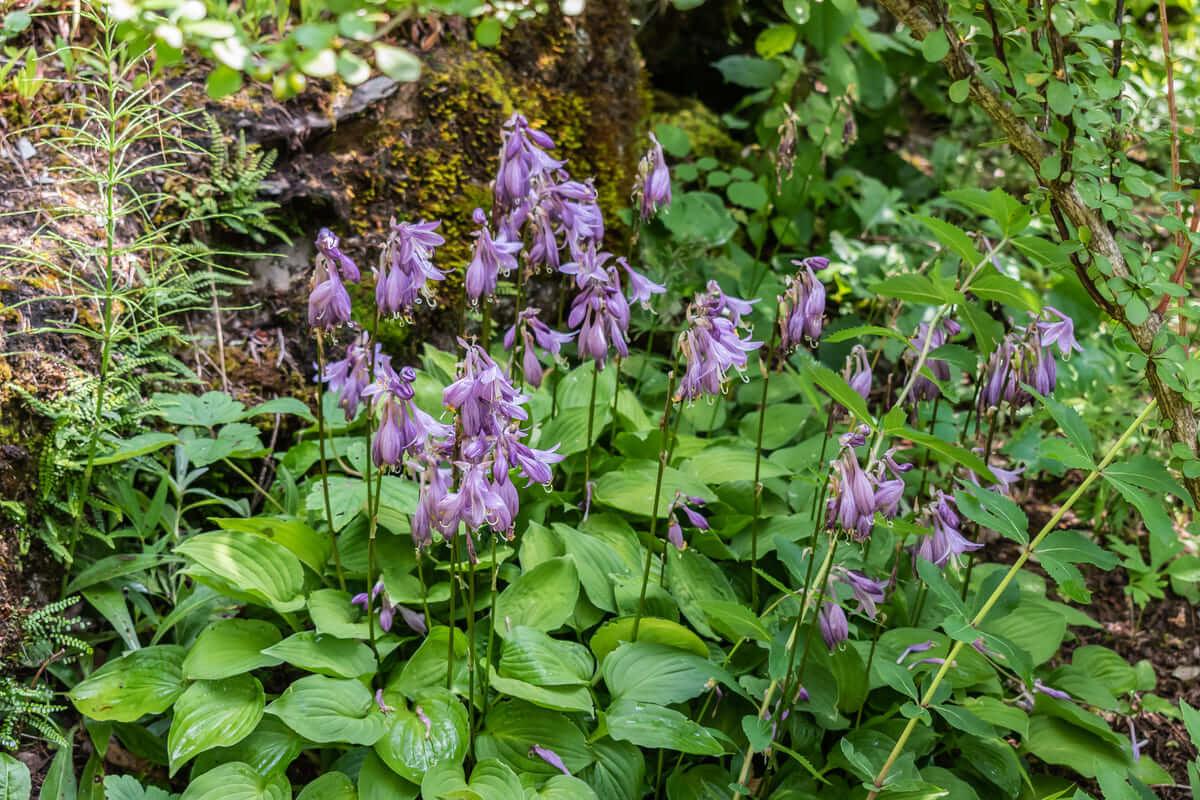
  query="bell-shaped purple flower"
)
[
  {"x": 922, "y": 387},
  {"x": 534, "y": 332},
  {"x": 600, "y": 311},
  {"x": 492, "y": 257},
  {"x": 835, "y": 628},
  {"x": 476, "y": 502},
  {"x": 802, "y": 305},
  {"x": 867, "y": 593},
  {"x": 550, "y": 757},
  {"x": 388, "y": 610},
  {"x": 654, "y": 188},
  {"x": 329, "y": 302},
  {"x": 523, "y": 157},
  {"x": 641, "y": 288},
  {"x": 483, "y": 397},
  {"x": 407, "y": 267},
  {"x": 329, "y": 247},
  {"x": 947, "y": 541},
  {"x": 711, "y": 343},
  {"x": 857, "y": 371},
  {"x": 433, "y": 485},
  {"x": 851, "y": 506},
  {"x": 351, "y": 376},
  {"x": 1059, "y": 330}
]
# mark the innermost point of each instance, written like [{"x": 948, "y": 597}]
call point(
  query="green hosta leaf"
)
[
  {"x": 59, "y": 782},
  {"x": 618, "y": 772},
  {"x": 993, "y": 511},
  {"x": 734, "y": 621},
  {"x": 334, "y": 615},
  {"x": 659, "y": 631},
  {"x": 725, "y": 463},
  {"x": 1033, "y": 627},
  {"x": 992, "y": 285},
  {"x": 237, "y": 781},
  {"x": 330, "y": 710},
  {"x": 330, "y": 786},
  {"x": 269, "y": 749},
  {"x": 513, "y": 727},
  {"x": 564, "y": 787},
  {"x": 213, "y": 714},
  {"x": 964, "y": 720},
  {"x": 631, "y": 488},
  {"x": 115, "y": 566},
  {"x": 267, "y": 572},
  {"x": 410, "y": 748},
  {"x": 542, "y": 598},
  {"x": 15, "y": 782},
  {"x": 312, "y": 548},
  {"x": 427, "y": 667},
  {"x": 492, "y": 779},
  {"x": 597, "y": 562},
  {"x": 655, "y": 673},
  {"x": 376, "y": 781},
  {"x": 1081, "y": 750},
  {"x": 693, "y": 580},
  {"x": 230, "y": 647},
  {"x": 325, "y": 655},
  {"x": 650, "y": 725},
  {"x": 557, "y": 698},
  {"x": 146, "y": 681},
  {"x": 995, "y": 760},
  {"x": 531, "y": 656}
]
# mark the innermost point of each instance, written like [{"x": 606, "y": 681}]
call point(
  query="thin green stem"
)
[
  {"x": 662, "y": 465},
  {"x": 450, "y": 621},
  {"x": 254, "y": 485},
  {"x": 471, "y": 664},
  {"x": 337, "y": 557},
  {"x": 587, "y": 458},
  {"x": 487, "y": 670},
  {"x": 756, "y": 524},
  {"x": 424, "y": 589},
  {"x": 994, "y": 597}
]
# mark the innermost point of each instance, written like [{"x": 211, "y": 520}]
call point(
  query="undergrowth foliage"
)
[{"x": 545, "y": 565}]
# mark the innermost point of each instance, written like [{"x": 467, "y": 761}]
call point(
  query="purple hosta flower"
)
[
  {"x": 922, "y": 387},
  {"x": 329, "y": 302},
  {"x": 534, "y": 464},
  {"x": 867, "y": 593},
  {"x": 835, "y": 628},
  {"x": 694, "y": 518},
  {"x": 407, "y": 266},
  {"x": 1040, "y": 370},
  {"x": 852, "y": 502},
  {"x": 1060, "y": 330},
  {"x": 931, "y": 660},
  {"x": 401, "y": 428},
  {"x": 329, "y": 248},
  {"x": 641, "y": 288},
  {"x": 522, "y": 157},
  {"x": 493, "y": 256},
  {"x": 428, "y": 723},
  {"x": 388, "y": 610},
  {"x": 351, "y": 376},
  {"x": 379, "y": 702},
  {"x": 1049, "y": 691},
  {"x": 478, "y": 501},
  {"x": 889, "y": 491},
  {"x": 534, "y": 331},
  {"x": 483, "y": 397},
  {"x": 654, "y": 188},
  {"x": 433, "y": 485},
  {"x": 575, "y": 208},
  {"x": 857, "y": 371},
  {"x": 802, "y": 305},
  {"x": 947, "y": 541},
  {"x": 1001, "y": 381},
  {"x": 599, "y": 311},
  {"x": 550, "y": 757},
  {"x": 711, "y": 344},
  {"x": 919, "y": 647}
]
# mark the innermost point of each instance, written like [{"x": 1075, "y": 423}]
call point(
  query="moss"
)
[{"x": 702, "y": 125}]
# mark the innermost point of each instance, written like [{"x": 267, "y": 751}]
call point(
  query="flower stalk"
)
[
  {"x": 663, "y": 428},
  {"x": 994, "y": 597},
  {"x": 337, "y": 558}
]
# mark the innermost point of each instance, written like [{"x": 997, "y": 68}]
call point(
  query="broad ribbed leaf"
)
[
  {"x": 267, "y": 572},
  {"x": 237, "y": 781},
  {"x": 146, "y": 681},
  {"x": 330, "y": 710},
  {"x": 230, "y": 647},
  {"x": 412, "y": 745},
  {"x": 213, "y": 714}
]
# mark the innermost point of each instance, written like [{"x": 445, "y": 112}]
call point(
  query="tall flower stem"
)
[
  {"x": 491, "y": 640},
  {"x": 662, "y": 465},
  {"x": 372, "y": 504},
  {"x": 756, "y": 523},
  {"x": 994, "y": 597},
  {"x": 450, "y": 620},
  {"x": 337, "y": 557},
  {"x": 937, "y": 402},
  {"x": 471, "y": 665},
  {"x": 587, "y": 458},
  {"x": 612, "y": 418},
  {"x": 823, "y": 574},
  {"x": 424, "y": 589}
]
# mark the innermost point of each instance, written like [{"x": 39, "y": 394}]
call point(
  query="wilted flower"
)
[
  {"x": 351, "y": 376},
  {"x": 947, "y": 541},
  {"x": 867, "y": 593},
  {"x": 492, "y": 257},
  {"x": 919, "y": 647},
  {"x": 835, "y": 628},
  {"x": 534, "y": 331},
  {"x": 407, "y": 266},
  {"x": 1049, "y": 691},
  {"x": 388, "y": 611},
  {"x": 802, "y": 305},
  {"x": 550, "y": 757},
  {"x": 695, "y": 518},
  {"x": 711, "y": 344},
  {"x": 922, "y": 387},
  {"x": 654, "y": 188}
]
